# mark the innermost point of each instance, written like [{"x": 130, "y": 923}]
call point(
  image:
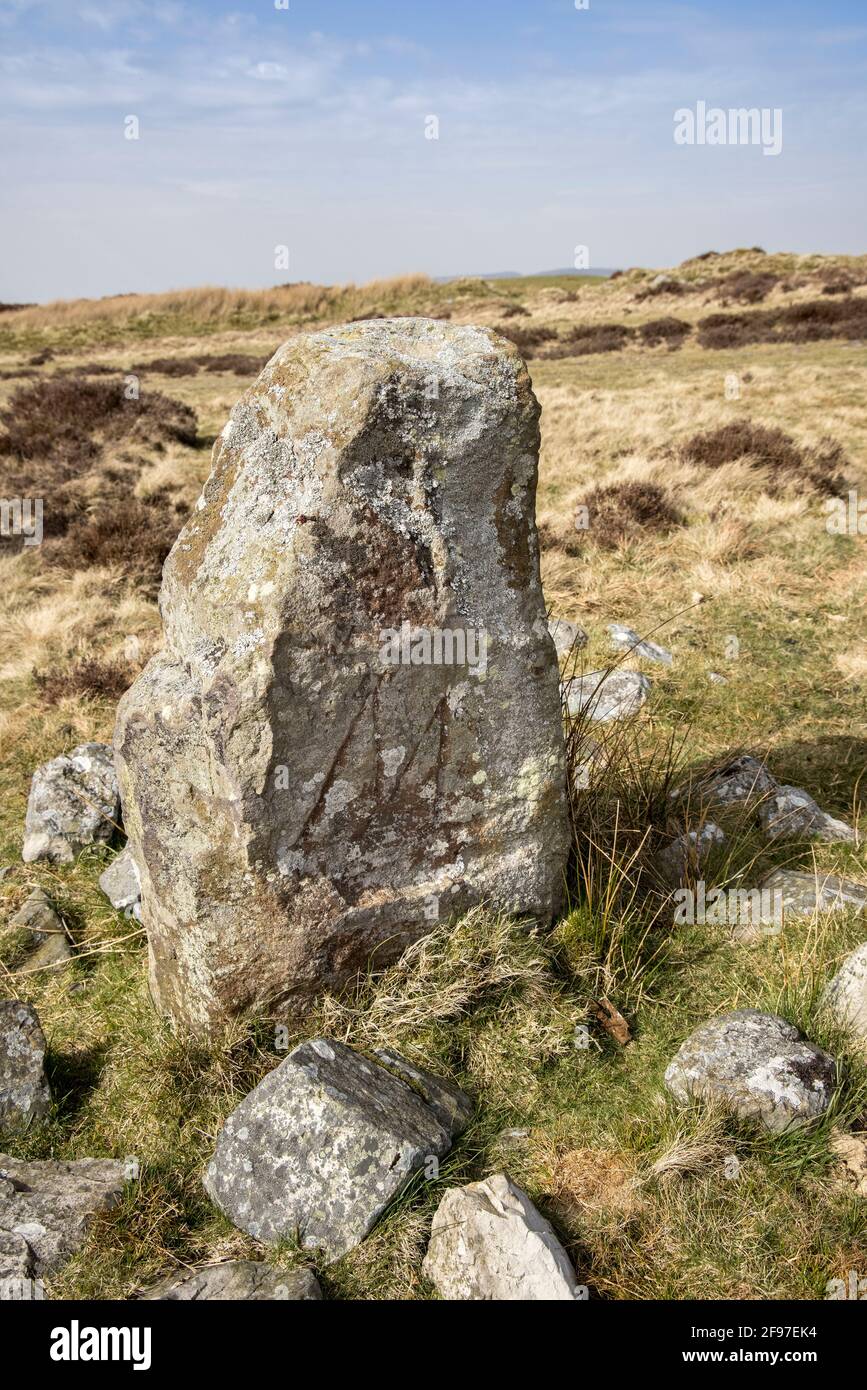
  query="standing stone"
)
[
  {"x": 757, "y": 1065},
  {"x": 353, "y": 732},
  {"x": 73, "y": 802},
  {"x": 320, "y": 1147},
  {"x": 24, "y": 1092},
  {"x": 488, "y": 1242}
]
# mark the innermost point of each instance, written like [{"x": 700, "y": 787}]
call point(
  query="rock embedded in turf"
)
[
  {"x": 321, "y": 1146},
  {"x": 353, "y": 732},
  {"x": 742, "y": 779},
  {"x": 803, "y": 895},
  {"x": 567, "y": 636},
  {"x": 488, "y": 1242},
  {"x": 758, "y": 1066},
  {"x": 47, "y": 934},
  {"x": 120, "y": 881},
  {"x": 688, "y": 853},
  {"x": 24, "y": 1092},
  {"x": 625, "y": 639},
  {"x": 237, "y": 1281},
  {"x": 49, "y": 1204},
  {"x": 846, "y": 996},
  {"x": 604, "y": 696},
  {"x": 791, "y": 813},
  {"x": 73, "y": 803}
]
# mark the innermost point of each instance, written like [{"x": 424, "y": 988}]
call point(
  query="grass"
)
[{"x": 652, "y": 1201}]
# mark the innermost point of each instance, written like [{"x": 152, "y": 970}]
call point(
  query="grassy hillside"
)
[{"x": 704, "y": 416}]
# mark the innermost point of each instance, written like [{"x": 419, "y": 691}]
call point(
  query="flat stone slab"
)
[
  {"x": 804, "y": 894},
  {"x": 24, "y": 1090},
  {"x": 46, "y": 1207},
  {"x": 489, "y": 1242},
  {"x": 321, "y": 1146},
  {"x": 47, "y": 934},
  {"x": 237, "y": 1281},
  {"x": 846, "y": 996},
  {"x": 626, "y": 639},
  {"x": 74, "y": 802},
  {"x": 757, "y": 1065},
  {"x": 604, "y": 696}
]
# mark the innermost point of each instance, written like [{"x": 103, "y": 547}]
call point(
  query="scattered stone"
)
[
  {"x": 353, "y": 731},
  {"x": 846, "y": 995},
  {"x": 790, "y": 812},
  {"x": 803, "y": 895},
  {"x": 716, "y": 679},
  {"x": 756, "y": 1064},
  {"x": 488, "y": 1242},
  {"x": 47, "y": 933},
  {"x": 689, "y": 852},
  {"x": 4, "y": 869},
  {"x": 625, "y": 639},
  {"x": 120, "y": 881},
  {"x": 322, "y": 1145},
  {"x": 851, "y": 1149},
  {"x": 568, "y": 637},
  {"x": 24, "y": 1090},
  {"x": 48, "y": 1205},
  {"x": 238, "y": 1281},
  {"x": 604, "y": 695},
  {"x": 73, "y": 802},
  {"x": 743, "y": 779}
]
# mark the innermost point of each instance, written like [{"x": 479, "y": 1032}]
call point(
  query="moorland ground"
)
[{"x": 703, "y": 417}]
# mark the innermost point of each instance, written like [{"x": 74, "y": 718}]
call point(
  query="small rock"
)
[
  {"x": 237, "y": 1281},
  {"x": 625, "y": 639},
  {"x": 803, "y": 895},
  {"x": 716, "y": 679},
  {"x": 758, "y": 1065},
  {"x": 568, "y": 637},
  {"x": 851, "y": 1149},
  {"x": 47, "y": 933},
  {"x": 689, "y": 852},
  {"x": 24, "y": 1091},
  {"x": 604, "y": 696},
  {"x": 120, "y": 881},
  {"x": 790, "y": 812},
  {"x": 49, "y": 1205},
  {"x": 846, "y": 995},
  {"x": 742, "y": 779},
  {"x": 488, "y": 1242},
  {"x": 322, "y": 1145},
  {"x": 73, "y": 802}
]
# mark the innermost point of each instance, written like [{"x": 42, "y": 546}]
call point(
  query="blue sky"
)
[{"x": 305, "y": 127}]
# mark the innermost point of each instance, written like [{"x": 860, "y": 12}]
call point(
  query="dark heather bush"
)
[
  {"x": 812, "y": 321},
  {"x": 620, "y": 512},
  {"x": 168, "y": 366},
  {"x": 237, "y": 362},
  {"x": 667, "y": 330},
  {"x": 773, "y": 451},
  {"x": 126, "y": 534},
  {"x": 592, "y": 337},
  {"x": 526, "y": 340},
  {"x": 90, "y": 677},
  {"x": 747, "y": 286}
]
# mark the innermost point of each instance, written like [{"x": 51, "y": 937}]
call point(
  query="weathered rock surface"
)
[
  {"x": 567, "y": 636},
  {"x": 354, "y": 729},
  {"x": 47, "y": 934},
  {"x": 488, "y": 1242},
  {"x": 73, "y": 802},
  {"x": 604, "y": 696},
  {"x": 742, "y": 779},
  {"x": 237, "y": 1281},
  {"x": 804, "y": 894},
  {"x": 689, "y": 852},
  {"x": 24, "y": 1091},
  {"x": 452, "y": 1106},
  {"x": 790, "y": 812},
  {"x": 756, "y": 1064},
  {"x": 322, "y": 1145},
  {"x": 846, "y": 995},
  {"x": 46, "y": 1207},
  {"x": 120, "y": 881},
  {"x": 626, "y": 639}
]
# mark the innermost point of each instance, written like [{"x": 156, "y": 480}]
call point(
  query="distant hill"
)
[{"x": 603, "y": 271}]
